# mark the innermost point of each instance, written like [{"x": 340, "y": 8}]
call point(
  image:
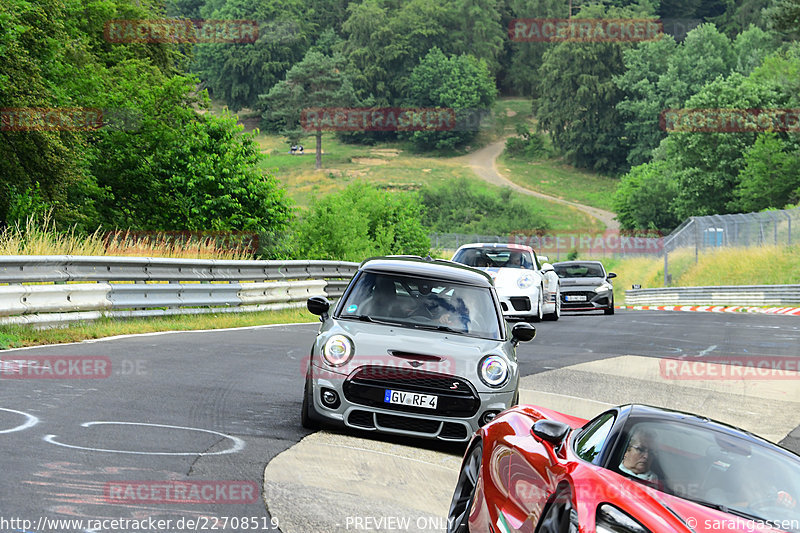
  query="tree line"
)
[
  {"x": 181, "y": 167},
  {"x": 600, "y": 103}
]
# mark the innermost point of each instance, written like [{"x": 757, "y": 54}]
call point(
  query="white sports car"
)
[{"x": 528, "y": 288}]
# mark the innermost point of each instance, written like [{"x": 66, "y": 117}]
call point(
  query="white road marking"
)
[
  {"x": 707, "y": 350},
  {"x": 238, "y": 443},
  {"x": 29, "y": 423}
]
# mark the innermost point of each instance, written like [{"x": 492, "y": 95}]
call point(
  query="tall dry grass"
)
[
  {"x": 757, "y": 265},
  {"x": 40, "y": 237}
]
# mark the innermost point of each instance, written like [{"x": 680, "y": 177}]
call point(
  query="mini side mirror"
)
[
  {"x": 523, "y": 332},
  {"x": 547, "y": 267},
  {"x": 611, "y": 275},
  {"x": 318, "y": 305}
]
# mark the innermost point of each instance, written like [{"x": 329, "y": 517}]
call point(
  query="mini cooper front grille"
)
[
  {"x": 452, "y": 431},
  {"x": 404, "y": 423},
  {"x": 362, "y": 419},
  {"x": 412, "y": 379},
  {"x": 455, "y": 396}
]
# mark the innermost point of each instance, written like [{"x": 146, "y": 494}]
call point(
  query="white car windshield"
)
[
  {"x": 494, "y": 257},
  {"x": 423, "y": 303}
]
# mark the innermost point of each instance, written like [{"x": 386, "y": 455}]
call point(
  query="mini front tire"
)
[{"x": 307, "y": 419}]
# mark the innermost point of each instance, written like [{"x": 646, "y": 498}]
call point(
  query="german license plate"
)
[
  {"x": 575, "y": 298},
  {"x": 410, "y": 398}
]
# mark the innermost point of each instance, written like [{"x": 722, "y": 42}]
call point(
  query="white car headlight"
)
[
  {"x": 337, "y": 350},
  {"x": 603, "y": 288},
  {"x": 526, "y": 281},
  {"x": 493, "y": 370}
]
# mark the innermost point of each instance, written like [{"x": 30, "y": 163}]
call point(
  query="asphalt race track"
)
[{"x": 221, "y": 410}]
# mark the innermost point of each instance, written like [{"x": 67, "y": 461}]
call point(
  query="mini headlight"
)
[
  {"x": 525, "y": 281},
  {"x": 337, "y": 350},
  {"x": 610, "y": 519},
  {"x": 493, "y": 370}
]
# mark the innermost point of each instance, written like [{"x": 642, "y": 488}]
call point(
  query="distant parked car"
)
[
  {"x": 527, "y": 285},
  {"x": 416, "y": 347},
  {"x": 585, "y": 286}
]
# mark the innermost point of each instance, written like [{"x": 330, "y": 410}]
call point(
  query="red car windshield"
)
[{"x": 711, "y": 467}]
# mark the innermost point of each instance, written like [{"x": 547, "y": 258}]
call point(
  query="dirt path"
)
[{"x": 483, "y": 163}]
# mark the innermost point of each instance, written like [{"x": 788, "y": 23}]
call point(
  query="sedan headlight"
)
[
  {"x": 610, "y": 519},
  {"x": 526, "y": 281},
  {"x": 493, "y": 370},
  {"x": 337, "y": 350},
  {"x": 603, "y": 288}
]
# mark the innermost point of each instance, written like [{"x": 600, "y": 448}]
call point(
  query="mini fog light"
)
[
  {"x": 330, "y": 398},
  {"x": 488, "y": 416}
]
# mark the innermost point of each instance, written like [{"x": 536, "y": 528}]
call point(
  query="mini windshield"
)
[
  {"x": 423, "y": 303},
  {"x": 494, "y": 257},
  {"x": 579, "y": 270},
  {"x": 711, "y": 467}
]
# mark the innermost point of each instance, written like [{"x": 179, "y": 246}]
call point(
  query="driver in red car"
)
[{"x": 639, "y": 454}]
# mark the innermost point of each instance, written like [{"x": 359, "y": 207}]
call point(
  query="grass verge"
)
[
  {"x": 555, "y": 178},
  {"x": 13, "y": 336},
  {"x": 39, "y": 237},
  {"x": 762, "y": 265}
]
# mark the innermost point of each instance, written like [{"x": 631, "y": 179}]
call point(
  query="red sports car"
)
[{"x": 632, "y": 469}]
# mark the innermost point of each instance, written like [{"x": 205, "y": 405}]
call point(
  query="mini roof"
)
[{"x": 440, "y": 269}]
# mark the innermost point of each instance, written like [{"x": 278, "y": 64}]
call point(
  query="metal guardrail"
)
[
  {"x": 744, "y": 295},
  {"x": 55, "y": 289}
]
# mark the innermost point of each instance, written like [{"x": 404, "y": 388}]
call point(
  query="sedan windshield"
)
[
  {"x": 579, "y": 270},
  {"x": 714, "y": 468},
  {"x": 423, "y": 303}
]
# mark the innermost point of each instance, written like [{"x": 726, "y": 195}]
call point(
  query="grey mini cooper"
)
[{"x": 416, "y": 347}]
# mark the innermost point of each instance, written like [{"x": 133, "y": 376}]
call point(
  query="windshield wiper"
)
[
  {"x": 726, "y": 509},
  {"x": 367, "y": 318},
  {"x": 433, "y": 327}
]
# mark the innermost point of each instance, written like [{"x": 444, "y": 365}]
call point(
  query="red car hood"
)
[{"x": 537, "y": 412}]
